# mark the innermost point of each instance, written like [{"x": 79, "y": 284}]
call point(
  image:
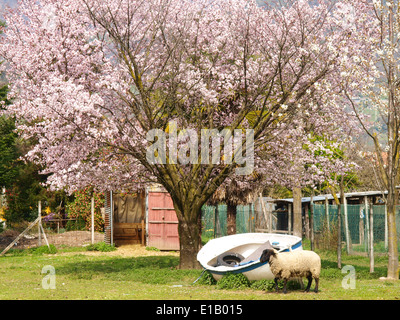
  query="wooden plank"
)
[
  {"x": 143, "y": 232},
  {"x": 20, "y": 236},
  {"x": 44, "y": 235}
]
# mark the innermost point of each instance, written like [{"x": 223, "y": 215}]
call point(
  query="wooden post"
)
[
  {"x": 20, "y": 236},
  {"x": 92, "y": 220},
  {"x": 346, "y": 225},
  {"x": 297, "y": 213},
  {"x": 367, "y": 221},
  {"x": 215, "y": 220},
  {"x": 44, "y": 236},
  {"x": 361, "y": 225},
  {"x": 371, "y": 240},
  {"x": 143, "y": 232},
  {"x": 386, "y": 229},
  {"x": 267, "y": 217},
  {"x": 307, "y": 222},
  {"x": 39, "y": 223},
  {"x": 111, "y": 218},
  {"x": 312, "y": 220},
  {"x": 289, "y": 218},
  {"x": 327, "y": 211}
]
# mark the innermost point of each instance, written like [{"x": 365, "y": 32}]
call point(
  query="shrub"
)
[
  {"x": 44, "y": 250},
  {"x": 233, "y": 281},
  {"x": 265, "y": 285},
  {"x": 269, "y": 285},
  {"x": 206, "y": 279},
  {"x": 101, "y": 246},
  {"x": 80, "y": 209}
]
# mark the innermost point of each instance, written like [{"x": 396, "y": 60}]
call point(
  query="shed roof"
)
[{"x": 330, "y": 197}]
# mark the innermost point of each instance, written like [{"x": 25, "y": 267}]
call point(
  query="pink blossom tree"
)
[
  {"x": 378, "y": 94},
  {"x": 100, "y": 83}
]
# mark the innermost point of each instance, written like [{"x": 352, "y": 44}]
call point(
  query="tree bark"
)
[
  {"x": 231, "y": 219},
  {"x": 297, "y": 214},
  {"x": 392, "y": 159},
  {"x": 189, "y": 242},
  {"x": 393, "y": 262}
]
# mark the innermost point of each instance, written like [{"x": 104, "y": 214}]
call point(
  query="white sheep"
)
[{"x": 294, "y": 264}]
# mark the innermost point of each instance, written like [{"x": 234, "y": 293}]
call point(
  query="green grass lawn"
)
[{"x": 80, "y": 276}]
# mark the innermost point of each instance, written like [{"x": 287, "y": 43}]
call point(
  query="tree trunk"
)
[
  {"x": 393, "y": 263},
  {"x": 297, "y": 214},
  {"x": 231, "y": 219},
  {"x": 339, "y": 223},
  {"x": 392, "y": 157},
  {"x": 189, "y": 243}
]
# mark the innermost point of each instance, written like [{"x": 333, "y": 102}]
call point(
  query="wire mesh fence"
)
[
  {"x": 358, "y": 228},
  {"x": 357, "y": 231},
  {"x": 214, "y": 220}
]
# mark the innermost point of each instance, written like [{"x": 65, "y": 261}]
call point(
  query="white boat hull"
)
[{"x": 248, "y": 246}]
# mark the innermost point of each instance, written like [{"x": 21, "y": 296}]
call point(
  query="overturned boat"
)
[{"x": 240, "y": 253}]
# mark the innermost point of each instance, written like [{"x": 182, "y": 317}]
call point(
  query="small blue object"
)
[
  {"x": 275, "y": 243},
  {"x": 243, "y": 263}
]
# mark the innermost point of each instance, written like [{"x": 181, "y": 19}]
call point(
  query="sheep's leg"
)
[
  {"x": 284, "y": 286},
  {"x": 276, "y": 284},
  {"x": 316, "y": 285},
  {"x": 309, "y": 283}
]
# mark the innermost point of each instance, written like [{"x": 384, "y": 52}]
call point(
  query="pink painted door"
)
[{"x": 162, "y": 222}]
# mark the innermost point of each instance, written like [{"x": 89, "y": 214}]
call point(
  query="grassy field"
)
[{"x": 104, "y": 276}]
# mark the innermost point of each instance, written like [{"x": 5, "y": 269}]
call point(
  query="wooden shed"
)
[
  {"x": 147, "y": 217},
  {"x": 124, "y": 220}
]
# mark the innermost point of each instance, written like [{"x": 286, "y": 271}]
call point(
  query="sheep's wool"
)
[{"x": 301, "y": 263}]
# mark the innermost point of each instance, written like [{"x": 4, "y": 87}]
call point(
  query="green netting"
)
[
  {"x": 214, "y": 220},
  {"x": 356, "y": 229}
]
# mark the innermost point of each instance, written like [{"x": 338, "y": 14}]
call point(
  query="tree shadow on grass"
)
[
  {"x": 151, "y": 270},
  {"x": 329, "y": 269}
]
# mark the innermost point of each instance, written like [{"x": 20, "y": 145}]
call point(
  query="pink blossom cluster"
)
[{"x": 90, "y": 78}]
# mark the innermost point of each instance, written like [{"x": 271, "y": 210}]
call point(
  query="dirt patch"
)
[
  {"x": 133, "y": 250},
  {"x": 69, "y": 239},
  {"x": 77, "y": 239}
]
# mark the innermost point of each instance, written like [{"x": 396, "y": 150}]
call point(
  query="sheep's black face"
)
[{"x": 267, "y": 253}]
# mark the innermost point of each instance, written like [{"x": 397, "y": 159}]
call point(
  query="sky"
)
[
  {"x": 9, "y": 2},
  {"x": 3, "y": 3}
]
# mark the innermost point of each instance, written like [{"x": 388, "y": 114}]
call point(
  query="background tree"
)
[
  {"x": 91, "y": 79},
  {"x": 380, "y": 94}
]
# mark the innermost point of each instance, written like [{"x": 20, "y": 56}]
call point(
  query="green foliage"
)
[
  {"x": 8, "y": 152},
  {"x": 78, "y": 224},
  {"x": 152, "y": 249},
  {"x": 37, "y": 251},
  {"x": 233, "y": 281},
  {"x": 80, "y": 209},
  {"x": 206, "y": 279},
  {"x": 265, "y": 285},
  {"x": 44, "y": 250},
  {"x": 101, "y": 246}
]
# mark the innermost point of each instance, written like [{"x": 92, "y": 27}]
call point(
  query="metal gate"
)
[{"x": 162, "y": 222}]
